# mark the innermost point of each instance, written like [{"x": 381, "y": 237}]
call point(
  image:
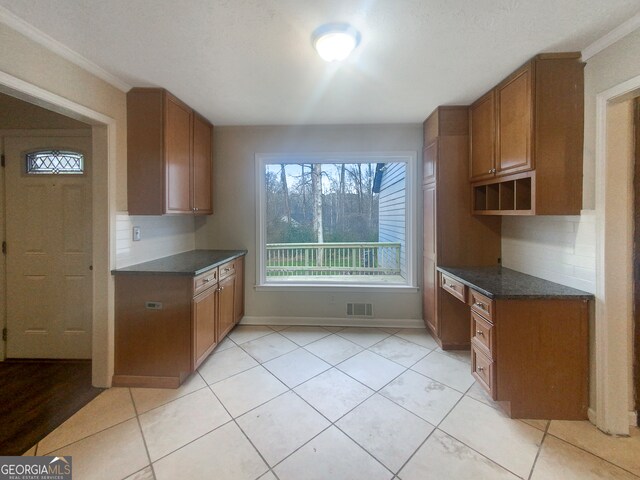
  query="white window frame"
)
[{"x": 407, "y": 157}]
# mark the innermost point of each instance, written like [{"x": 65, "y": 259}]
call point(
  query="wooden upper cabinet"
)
[
  {"x": 538, "y": 135},
  {"x": 482, "y": 125},
  {"x": 169, "y": 160},
  {"x": 202, "y": 165},
  {"x": 429, "y": 157},
  {"x": 514, "y": 100},
  {"x": 177, "y": 156}
]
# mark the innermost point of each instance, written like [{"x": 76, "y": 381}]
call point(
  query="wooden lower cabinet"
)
[
  {"x": 542, "y": 358},
  {"x": 238, "y": 295},
  {"x": 531, "y": 354},
  {"x": 205, "y": 335},
  {"x": 167, "y": 325},
  {"x": 226, "y": 292}
]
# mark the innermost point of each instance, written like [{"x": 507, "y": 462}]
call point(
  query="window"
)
[
  {"x": 336, "y": 219},
  {"x": 53, "y": 162}
]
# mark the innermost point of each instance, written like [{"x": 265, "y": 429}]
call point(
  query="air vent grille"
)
[{"x": 359, "y": 310}]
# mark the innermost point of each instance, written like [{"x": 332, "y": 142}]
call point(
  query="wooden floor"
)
[{"x": 38, "y": 396}]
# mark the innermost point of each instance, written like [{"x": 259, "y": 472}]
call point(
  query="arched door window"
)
[{"x": 54, "y": 162}]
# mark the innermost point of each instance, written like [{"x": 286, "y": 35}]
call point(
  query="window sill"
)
[{"x": 334, "y": 288}]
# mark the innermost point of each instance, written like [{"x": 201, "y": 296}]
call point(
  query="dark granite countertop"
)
[
  {"x": 190, "y": 263},
  {"x": 503, "y": 283}
]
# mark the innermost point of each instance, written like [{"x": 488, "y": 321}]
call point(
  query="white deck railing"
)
[{"x": 358, "y": 258}]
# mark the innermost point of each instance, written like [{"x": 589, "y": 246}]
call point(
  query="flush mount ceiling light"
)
[{"x": 335, "y": 41}]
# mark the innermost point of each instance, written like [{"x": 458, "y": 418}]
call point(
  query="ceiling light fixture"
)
[{"x": 335, "y": 41}]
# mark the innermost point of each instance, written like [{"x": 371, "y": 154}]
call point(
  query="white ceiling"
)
[{"x": 250, "y": 62}]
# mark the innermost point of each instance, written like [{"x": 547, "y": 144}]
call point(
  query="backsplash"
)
[
  {"x": 161, "y": 236},
  {"x": 561, "y": 249}
]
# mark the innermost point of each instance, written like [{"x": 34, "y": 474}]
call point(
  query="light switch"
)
[{"x": 136, "y": 234}]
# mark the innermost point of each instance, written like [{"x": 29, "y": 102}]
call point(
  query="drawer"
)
[
  {"x": 482, "y": 333},
  {"x": 481, "y": 304},
  {"x": 483, "y": 369},
  {"x": 227, "y": 269},
  {"x": 454, "y": 287},
  {"x": 204, "y": 281}
]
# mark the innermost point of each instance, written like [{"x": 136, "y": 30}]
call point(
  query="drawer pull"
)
[
  {"x": 225, "y": 270},
  {"x": 206, "y": 280},
  {"x": 479, "y": 332},
  {"x": 480, "y": 305},
  {"x": 480, "y": 369},
  {"x": 451, "y": 285}
]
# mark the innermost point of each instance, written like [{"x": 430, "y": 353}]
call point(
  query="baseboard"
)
[
  {"x": 633, "y": 417},
  {"x": 335, "y": 322}
]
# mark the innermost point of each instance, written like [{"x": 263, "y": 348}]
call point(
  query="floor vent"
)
[{"x": 359, "y": 310}]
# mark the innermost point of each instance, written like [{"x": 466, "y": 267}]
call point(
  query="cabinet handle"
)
[
  {"x": 479, "y": 305},
  {"x": 479, "y": 332},
  {"x": 206, "y": 280},
  {"x": 225, "y": 270},
  {"x": 480, "y": 369}
]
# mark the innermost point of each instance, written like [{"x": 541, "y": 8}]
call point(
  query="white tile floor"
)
[{"x": 296, "y": 403}]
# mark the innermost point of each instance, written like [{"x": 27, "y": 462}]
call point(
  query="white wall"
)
[
  {"x": 233, "y": 224},
  {"x": 160, "y": 237},
  {"x": 561, "y": 249}
]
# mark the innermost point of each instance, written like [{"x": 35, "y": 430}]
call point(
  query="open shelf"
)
[
  {"x": 523, "y": 193},
  {"x": 512, "y": 195},
  {"x": 507, "y": 195}
]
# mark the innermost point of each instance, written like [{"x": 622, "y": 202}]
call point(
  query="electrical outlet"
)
[{"x": 136, "y": 234}]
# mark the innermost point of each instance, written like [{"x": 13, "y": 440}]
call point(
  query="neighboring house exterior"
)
[{"x": 390, "y": 183}]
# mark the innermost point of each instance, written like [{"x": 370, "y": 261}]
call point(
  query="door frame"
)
[
  {"x": 636, "y": 260},
  {"x": 103, "y": 133},
  {"x": 614, "y": 257}
]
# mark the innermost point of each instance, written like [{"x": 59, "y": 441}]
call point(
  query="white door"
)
[{"x": 48, "y": 252}]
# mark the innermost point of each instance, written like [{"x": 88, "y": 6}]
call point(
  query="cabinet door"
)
[
  {"x": 429, "y": 295},
  {"x": 482, "y": 137},
  {"x": 177, "y": 156},
  {"x": 202, "y": 166},
  {"x": 429, "y": 258},
  {"x": 238, "y": 294},
  {"x": 429, "y": 162},
  {"x": 204, "y": 324},
  {"x": 226, "y": 320},
  {"x": 515, "y": 123}
]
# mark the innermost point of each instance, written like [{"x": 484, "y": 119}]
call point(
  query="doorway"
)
[
  {"x": 107, "y": 118},
  {"x": 46, "y": 225}
]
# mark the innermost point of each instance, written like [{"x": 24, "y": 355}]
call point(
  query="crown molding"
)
[
  {"x": 612, "y": 37},
  {"x": 16, "y": 23}
]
